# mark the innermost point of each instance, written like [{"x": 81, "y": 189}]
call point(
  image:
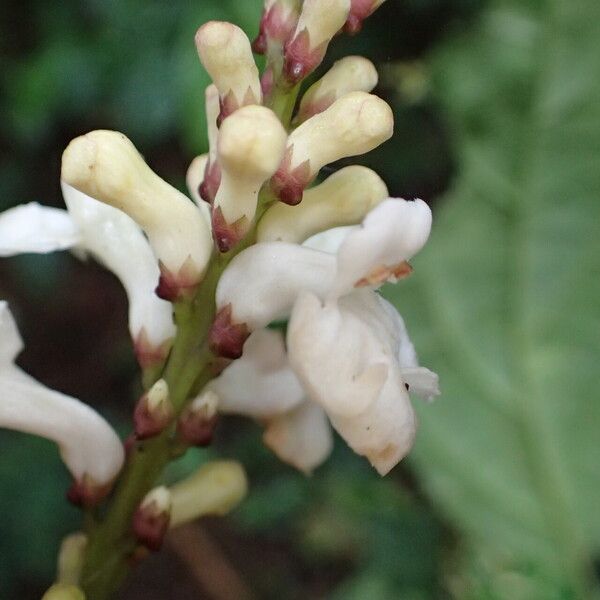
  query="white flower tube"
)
[
  {"x": 319, "y": 21},
  {"x": 117, "y": 242},
  {"x": 359, "y": 11},
  {"x": 89, "y": 447},
  {"x": 262, "y": 283},
  {"x": 352, "y": 125},
  {"x": 344, "y": 198},
  {"x": 225, "y": 52},
  {"x": 351, "y": 371},
  {"x": 349, "y": 74},
  {"x": 106, "y": 166},
  {"x": 260, "y": 384},
  {"x": 251, "y": 146}
]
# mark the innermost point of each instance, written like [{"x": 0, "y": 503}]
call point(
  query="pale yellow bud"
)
[
  {"x": 350, "y": 74},
  {"x": 60, "y": 591},
  {"x": 215, "y": 489},
  {"x": 70, "y": 558},
  {"x": 225, "y": 52},
  {"x": 251, "y": 146},
  {"x": 342, "y": 199},
  {"x": 322, "y": 19},
  {"x": 106, "y": 166},
  {"x": 157, "y": 501}
]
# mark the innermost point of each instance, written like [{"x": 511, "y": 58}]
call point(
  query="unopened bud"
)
[
  {"x": 277, "y": 24},
  {"x": 319, "y": 21},
  {"x": 352, "y": 125},
  {"x": 63, "y": 591},
  {"x": 359, "y": 11},
  {"x": 251, "y": 146},
  {"x": 106, "y": 166},
  {"x": 197, "y": 423},
  {"x": 350, "y": 74},
  {"x": 153, "y": 412},
  {"x": 152, "y": 517},
  {"x": 225, "y": 52},
  {"x": 215, "y": 489},
  {"x": 225, "y": 337},
  {"x": 70, "y": 557},
  {"x": 342, "y": 199}
]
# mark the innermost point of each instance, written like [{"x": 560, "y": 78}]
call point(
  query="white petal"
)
[
  {"x": 263, "y": 282},
  {"x": 88, "y": 445},
  {"x": 351, "y": 370},
  {"x": 10, "y": 338},
  {"x": 34, "y": 228},
  {"x": 117, "y": 242},
  {"x": 261, "y": 383},
  {"x": 301, "y": 437},
  {"x": 391, "y": 233},
  {"x": 329, "y": 240},
  {"x": 422, "y": 382}
]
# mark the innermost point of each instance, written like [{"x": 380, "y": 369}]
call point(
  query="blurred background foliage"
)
[{"x": 497, "y": 107}]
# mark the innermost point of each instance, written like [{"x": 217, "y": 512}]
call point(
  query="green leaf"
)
[{"x": 504, "y": 299}]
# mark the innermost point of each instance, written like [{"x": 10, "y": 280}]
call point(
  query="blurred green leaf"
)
[{"x": 506, "y": 300}]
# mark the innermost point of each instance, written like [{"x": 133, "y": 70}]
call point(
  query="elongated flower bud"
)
[
  {"x": 151, "y": 519},
  {"x": 106, "y": 166},
  {"x": 197, "y": 423},
  {"x": 359, "y": 11},
  {"x": 225, "y": 52},
  {"x": 342, "y": 199},
  {"x": 277, "y": 24},
  {"x": 212, "y": 172},
  {"x": 251, "y": 146},
  {"x": 350, "y": 74},
  {"x": 70, "y": 557},
  {"x": 319, "y": 21},
  {"x": 354, "y": 124},
  {"x": 153, "y": 412},
  {"x": 215, "y": 489}
]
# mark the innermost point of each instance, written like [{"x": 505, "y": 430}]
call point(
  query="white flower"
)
[
  {"x": 112, "y": 238},
  {"x": 348, "y": 347},
  {"x": 88, "y": 445}
]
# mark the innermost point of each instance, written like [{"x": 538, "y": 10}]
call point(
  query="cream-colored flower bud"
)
[
  {"x": 215, "y": 489},
  {"x": 106, "y": 166},
  {"x": 350, "y": 74},
  {"x": 251, "y": 146},
  {"x": 319, "y": 21},
  {"x": 70, "y": 557},
  {"x": 352, "y": 125},
  {"x": 343, "y": 199},
  {"x": 62, "y": 591},
  {"x": 224, "y": 50}
]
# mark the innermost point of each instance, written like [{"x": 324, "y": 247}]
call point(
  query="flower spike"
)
[
  {"x": 352, "y": 125},
  {"x": 106, "y": 166}
]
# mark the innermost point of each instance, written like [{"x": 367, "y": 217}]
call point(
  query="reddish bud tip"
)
[
  {"x": 153, "y": 412},
  {"x": 210, "y": 184},
  {"x": 177, "y": 286},
  {"x": 151, "y": 520},
  {"x": 288, "y": 184},
  {"x": 226, "y": 338},
  {"x": 86, "y": 493},
  {"x": 196, "y": 429},
  {"x": 259, "y": 45},
  {"x": 299, "y": 60},
  {"x": 227, "y": 235},
  {"x": 147, "y": 354}
]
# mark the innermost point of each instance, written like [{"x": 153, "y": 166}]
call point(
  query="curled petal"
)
[
  {"x": 301, "y": 437},
  {"x": 377, "y": 252},
  {"x": 260, "y": 384},
  {"x": 350, "y": 74},
  {"x": 225, "y": 52},
  {"x": 352, "y": 125},
  {"x": 88, "y": 445},
  {"x": 117, "y": 242},
  {"x": 342, "y": 199},
  {"x": 263, "y": 282},
  {"x": 106, "y": 166},
  {"x": 330, "y": 240},
  {"x": 34, "y": 228},
  {"x": 349, "y": 369}
]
